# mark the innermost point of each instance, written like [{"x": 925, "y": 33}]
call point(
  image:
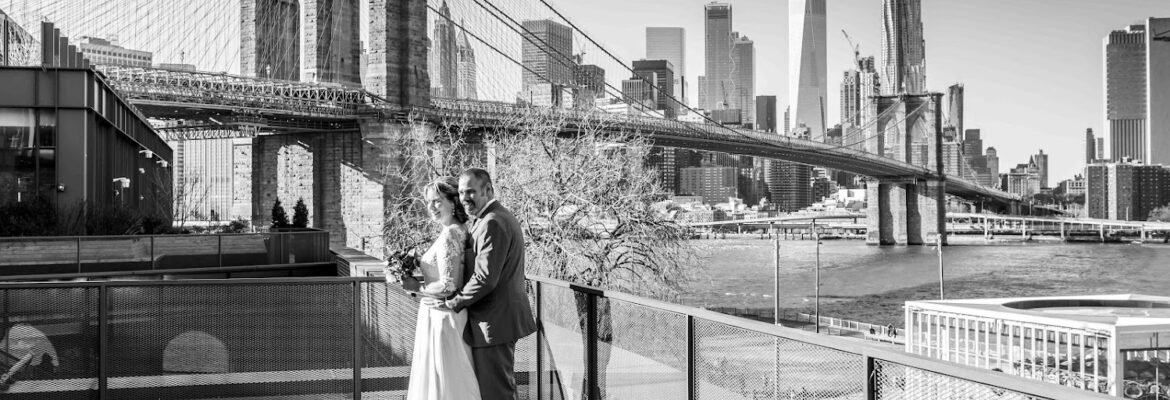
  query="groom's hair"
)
[{"x": 480, "y": 175}]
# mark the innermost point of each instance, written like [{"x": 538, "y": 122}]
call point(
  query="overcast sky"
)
[{"x": 1032, "y": 68}]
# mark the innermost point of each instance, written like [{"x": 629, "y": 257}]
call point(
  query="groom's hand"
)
[{"x": 434, "y": 303}]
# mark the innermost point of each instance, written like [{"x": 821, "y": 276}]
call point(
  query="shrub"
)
[
  {"x": 300, "y": 215},
  {"x": 279, "y": 217}
]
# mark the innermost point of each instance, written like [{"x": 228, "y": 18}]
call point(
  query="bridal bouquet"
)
[{"x": 402, "y": 266}]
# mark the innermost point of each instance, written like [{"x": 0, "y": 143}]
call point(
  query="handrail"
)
[{"x": 870, "y": 351}]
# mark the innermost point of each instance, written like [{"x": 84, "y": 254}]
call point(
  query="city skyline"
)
[{"x": 957, "y": 41}]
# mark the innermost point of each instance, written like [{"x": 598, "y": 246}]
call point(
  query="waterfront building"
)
[
  {"x": 789, "y": 184},
  {"x": 714, "y": 183},
  {"x": 17, "y": 46},
  {"x": 1137, "y": 92},
  {"x": 1125, "y": 190},
  {"x": 91, "y": 147},
  {"x": 1100, "y": 343},
  {"x": 807, "y": 79},
  {"x": 659, "y": 73},
  {"x": 444, "y": 56},
  {"x": 104, "y": 52},
  {"x": 717, "y": 57},
  {"x": 766, "y": 114},
  {"x": 662, "y": 160},
  {"x": 331, "y": 42},
  {"x": 1023, "y": 180},
  {"x": 903, "y": 49},
  {"x": 270, "y": 39},
  {"x": 669, "y": 43},
  {"x": 546, "y": 48},
  {"x": 467, "y": 70},
  {"x": 206, "y": 183}
]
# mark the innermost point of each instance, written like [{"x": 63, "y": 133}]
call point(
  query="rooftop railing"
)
[{"x": 337, "y": 338}]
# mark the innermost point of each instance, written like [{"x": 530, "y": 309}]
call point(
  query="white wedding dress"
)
[{"x": 441, "y": 368}]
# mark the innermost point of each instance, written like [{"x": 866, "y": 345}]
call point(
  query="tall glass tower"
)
[
  {"x": 903, "y": 50},
  {"x": 717, "y": 40},
  {"x": 808, "y": 84}
]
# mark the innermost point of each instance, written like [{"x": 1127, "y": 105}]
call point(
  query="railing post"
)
[
  {"x": 692, "y": 378},
  {"x": 219, "y": 237},
  {"x": 593, "y": 390},
  {"x": 152, "y": 263},
  {"x": 357, "y": 340},
  {"x": 79, "y": 254},
  {"x": 536, "y": 291},
  {"x": 871, "y": 386},
  {"x": 103, "y": 339}
]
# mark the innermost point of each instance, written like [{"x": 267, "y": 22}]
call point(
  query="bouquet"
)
[{"x": 402, "y": 266}]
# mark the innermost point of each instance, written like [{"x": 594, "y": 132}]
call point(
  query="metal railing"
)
[
  {"x": 74, "y": 256},
  {"x": 353, "y": 338}
]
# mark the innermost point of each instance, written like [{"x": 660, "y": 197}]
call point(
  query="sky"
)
[{"x": 1032, "y": 69}]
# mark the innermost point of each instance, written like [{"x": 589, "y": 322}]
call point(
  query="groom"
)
[{"x": 494, "y": 296}]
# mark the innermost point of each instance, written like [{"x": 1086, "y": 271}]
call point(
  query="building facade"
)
[
  {"x": 807, "y": 79},
  {"x": 466, "y": 69},
  {"x": 104, "y": 52},
  {"x": 1090, "y": 146},
  {"x": 546, "y": 48},
  {"x": 715, "y": 184},
  {"x": 1125, "y": 92},
  {"x": 766, "y": 114},
  {"x": 903, "y": 49},
  {"x": 1125, "y": 191},
  {"x": 81, "y": 144},
  {"x": 955, "y": 95},
  {"x": 659, "y": 73},
  {"x": 270, "y": 39}
]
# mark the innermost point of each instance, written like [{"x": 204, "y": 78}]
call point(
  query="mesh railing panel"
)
[
  {"x": 734, "y": 363},
  {"x": 57, "y": 329},
  {"x": 525, "y": 367},
  {"x": 642, "y": 352},
  {"x": 564, "y": 341},
  {"x": 898, "y": 382},
  {"x": 388, "y": 319},
  {"x": 198, "y": 340}
]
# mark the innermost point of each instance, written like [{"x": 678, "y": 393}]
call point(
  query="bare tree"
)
[{"x": 186, "y": 193}]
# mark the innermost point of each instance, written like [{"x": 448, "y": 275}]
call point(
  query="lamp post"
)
[{"x": 817, "y": 276}]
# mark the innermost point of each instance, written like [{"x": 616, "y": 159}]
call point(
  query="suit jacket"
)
[{"x": 494, "y": 296}]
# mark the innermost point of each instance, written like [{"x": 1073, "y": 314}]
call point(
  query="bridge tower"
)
[{"x": 907, "y": 210}]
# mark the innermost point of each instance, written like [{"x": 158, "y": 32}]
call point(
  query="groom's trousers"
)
[{"x": 494, "y": 369}]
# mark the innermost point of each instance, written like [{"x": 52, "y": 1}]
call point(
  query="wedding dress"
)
[{"x": 441, "y": 368}]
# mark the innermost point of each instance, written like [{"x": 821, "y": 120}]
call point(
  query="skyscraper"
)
[
  {"x": 955, "y": 100},
  {"x": 670, "y": 44},
  {"x": 331, "y": 42},
  {"x": 717, "y": 43},
  {"x": 444, "y": 56},
  {"x": 467, "y": 70},
  {"x": 1041, "y": 162},
  {"x": 808, "y": 83},
  {"x": 857, "y": 87},
  {"x": 589, "y": 86},
  {"x": 903, "y": 50},
  {"x": 743, "y": 56},
  {"x": 545, "y": 50},
  {"x": 1090, "y": 146},
  {"x": 766, "y": 114},
  {"x": 1125, "y": 92},
  {"x": 270, "y": 39}
]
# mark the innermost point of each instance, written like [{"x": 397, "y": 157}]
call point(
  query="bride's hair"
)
[{"x": 448, "y": 188}]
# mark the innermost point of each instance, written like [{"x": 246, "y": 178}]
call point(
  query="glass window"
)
[
  {"x": 16, "y": 128},
  {"x": 47, "y": 129}
]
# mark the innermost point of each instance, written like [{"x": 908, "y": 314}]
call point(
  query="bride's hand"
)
[{"x": 390, "y": 277}]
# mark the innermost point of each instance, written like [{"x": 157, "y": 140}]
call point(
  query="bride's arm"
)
[{"x": 450, "y": 260}]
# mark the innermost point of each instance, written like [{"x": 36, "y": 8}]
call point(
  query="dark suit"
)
[{"x": 496, "y": 301}]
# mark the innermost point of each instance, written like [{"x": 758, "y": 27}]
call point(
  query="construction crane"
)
[{"x": 856, "y": 50}]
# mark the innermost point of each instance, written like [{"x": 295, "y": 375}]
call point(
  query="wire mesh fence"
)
[{"x": 341, "y": 338}]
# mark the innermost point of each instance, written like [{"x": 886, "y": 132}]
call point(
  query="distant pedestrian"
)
[
  {"x": 890, "y": 331},
  {"x": 872, "y": 331}
]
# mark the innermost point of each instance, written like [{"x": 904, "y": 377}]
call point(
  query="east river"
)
[{"x": 871, "y": 283}]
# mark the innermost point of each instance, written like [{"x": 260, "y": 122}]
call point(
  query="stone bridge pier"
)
[{"x": 905, "y": 212}]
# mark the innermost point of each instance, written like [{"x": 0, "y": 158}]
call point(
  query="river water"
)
[{"x": 871, "y": 283}]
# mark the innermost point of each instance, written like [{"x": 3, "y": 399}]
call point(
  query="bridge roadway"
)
[{"x": 213, "y": 105}]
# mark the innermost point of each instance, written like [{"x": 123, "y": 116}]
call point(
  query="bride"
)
[{"x": 441, "y": 368}]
